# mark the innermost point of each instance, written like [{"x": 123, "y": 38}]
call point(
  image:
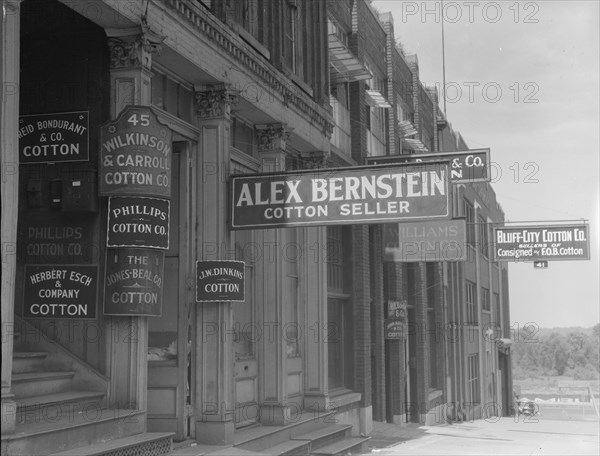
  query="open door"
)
[{"x": 169, "y": 391}]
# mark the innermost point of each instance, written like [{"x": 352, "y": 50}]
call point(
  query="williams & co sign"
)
[
  {"x": 135, "y": 155},
  {"x": 433, "y": 240},
  {"x": 539, "y": 243},
  {"x": 341, "y": 196}
]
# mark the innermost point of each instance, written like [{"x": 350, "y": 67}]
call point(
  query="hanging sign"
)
[
  {"x": 138, "y": 222},
  {"x": 134, "y": 282},
  {"x": 357, "y": 195},
  {"x": 395, "y": 320},
  {"x": 541, "y": 243},
  {"x": 220, "y": 281},
  {"x": 135, "y": 155},
  {"x": 464, "y": 166},
  {"x": 54, "y": 138},
  {"x": 431, "y": 240},
  {"x": 60, "y": 291}
]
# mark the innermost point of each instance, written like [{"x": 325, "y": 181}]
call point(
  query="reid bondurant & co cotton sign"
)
[
  {"x": 357, "y": 195},
  {"x": 135, "y": 155},
  {"x": 60, "y": 291},
  {"x": 464, "y": 166},
  {"x": 53, "y": 138},
  {"x": 138, "y": 222},
  {"x": 431, "y": 240},
  {"x": 539, "y": 243},
  {"x": 220, "y": 281},
  {"x": 134, "y": 282}
]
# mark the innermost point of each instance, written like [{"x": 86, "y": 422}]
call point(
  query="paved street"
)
[{"x": 507, "y": 436}]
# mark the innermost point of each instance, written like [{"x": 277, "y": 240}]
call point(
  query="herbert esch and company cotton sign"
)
[
  {"x": 538, "y": 243},
  {"x": 340, "y": 196}
]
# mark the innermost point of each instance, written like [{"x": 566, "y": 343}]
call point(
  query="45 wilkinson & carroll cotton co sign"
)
[{"x": 358, "y": 195}]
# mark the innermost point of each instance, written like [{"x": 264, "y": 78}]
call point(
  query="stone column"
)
[
  {"x": 215, "y": 406},
  {"x": 9, "y": 181},
  {"x": 271, "y": 271},
  {"x": 130, "y": 81}
]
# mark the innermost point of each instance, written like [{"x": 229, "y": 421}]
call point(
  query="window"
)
[
  {"x": 172, "y": 96},
  {"x": 485, "y": 299},
  {"x": 497, "y": 310},
  {"x": 243, "y": 136},
  {"x": 338, "y": 312},
  {"x": 474, "y": 378},
  {"x": 483, "y": 237},
  {"x": 290, "y": 30},
  {"x": 469, "y": 212},
  {"x": 471, "y": 301},
  {"x": 243, "y": 312}
]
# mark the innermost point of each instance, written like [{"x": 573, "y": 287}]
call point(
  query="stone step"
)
[
  {"x": 147, "y": 443},
  {"x": 342, "y": 447},
  {"x": 289, "y": 448},
  {"x": 321, "y": 437},
  {"x": 28, "y": 361},
  {"x": 73, "y": 431},
  {"x": 37, "y": 383},
  {"x": 51, "y": 407}
]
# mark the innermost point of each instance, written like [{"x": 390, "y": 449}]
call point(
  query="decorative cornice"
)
[
  {"x": 131, "y": 50},
  {"x": 220, "y": 37},
  {"x": 215, "y": 100},
  {"x": 273, "y": 137}
]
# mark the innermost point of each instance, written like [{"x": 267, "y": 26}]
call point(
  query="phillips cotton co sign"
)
[{"x": 340, "y": 196}]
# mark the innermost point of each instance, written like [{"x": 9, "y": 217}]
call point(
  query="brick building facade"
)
[{"x": 242, "y": 87}]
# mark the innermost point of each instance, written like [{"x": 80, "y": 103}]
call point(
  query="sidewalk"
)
[{"x": 387, "y": 434}]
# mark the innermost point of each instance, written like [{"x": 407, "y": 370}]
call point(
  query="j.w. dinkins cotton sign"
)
[{"x": 340, "y": 196}]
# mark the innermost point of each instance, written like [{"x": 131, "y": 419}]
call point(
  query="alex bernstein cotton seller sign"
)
[
  {"x": 538, "y": 243},
  {"x": 340, "y": 196}
]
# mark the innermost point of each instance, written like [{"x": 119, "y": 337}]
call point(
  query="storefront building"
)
[{"x": 122, "y": 124}]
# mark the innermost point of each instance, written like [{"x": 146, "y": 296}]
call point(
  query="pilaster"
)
[
  {"x": 271, "y": 274},
  {"x": 9, "y": 122},
  {"x": 215, "y": 405},
  {"x": 131, "y": 52}
]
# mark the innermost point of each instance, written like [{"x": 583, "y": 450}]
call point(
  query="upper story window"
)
[
  {"x": 290, "y": 32},
  {"x": 171, "y": 95},
  {"x": 243, "y": 136},
  {"x": 471, "y": 302},
  {"x": 485, "y": 299},
  {"x": 469, "y": 212},
  {"x": 484, "y": 239}
]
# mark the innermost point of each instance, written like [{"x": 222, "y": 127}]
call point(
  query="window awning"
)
[
  {"x": 375, "y": 99},
  {"x": 414, "y": 144},
  {"x": 407, "y": 128},
  {"x": 345, "y": 65}
]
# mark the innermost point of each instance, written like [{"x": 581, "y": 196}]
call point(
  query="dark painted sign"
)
[
  {"x": 395, "y": 320},
  {"x": 220, "y": 281},
  {"x": 357, "y": 195},
  {"x": 134, "y": 282},
  {"x": 540, "y": 243},
  {"x": 138, "y": 222},
  {"x": 52, "y": 138},
  {"x": 432, "y": 240},
  {"x": 464, "y": 166},
  {"x": 57, "y": 238},
  {"x": 135, "y": 155},
  {"x": 60, "y": 291}
]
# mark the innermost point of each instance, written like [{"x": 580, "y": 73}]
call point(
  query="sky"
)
[{"x": 522, "y": 78}]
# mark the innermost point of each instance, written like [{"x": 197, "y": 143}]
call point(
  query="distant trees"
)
[{"x": 575, "y": 354}]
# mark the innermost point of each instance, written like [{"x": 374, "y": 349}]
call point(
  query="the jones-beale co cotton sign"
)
[{"x": 340, "y": 196}]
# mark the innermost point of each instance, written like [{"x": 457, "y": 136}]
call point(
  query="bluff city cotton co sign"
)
[
  {"x": 138, "y": 222},
  {"x": 53, "y": 138},
  {"x": 464, "y": 166},
  {"x": 539, "y": 243},
  {"x": 135, "y": 155},
  {"x": 219, "y": 281},
  {"x": 340, "y": 196},
  {"x": 65, "y": 291}
]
